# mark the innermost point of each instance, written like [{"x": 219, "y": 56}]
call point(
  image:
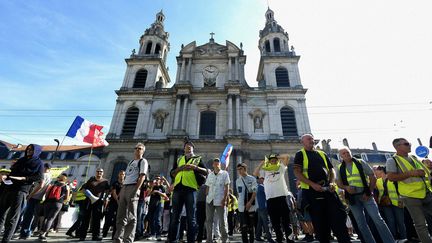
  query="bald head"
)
[{"x": 307, "y": 140}]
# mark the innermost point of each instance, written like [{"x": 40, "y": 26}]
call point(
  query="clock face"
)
[{"x": 210, "y": 72}]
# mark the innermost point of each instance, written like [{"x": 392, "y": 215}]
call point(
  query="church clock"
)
[{"x": 210, "y": 73}]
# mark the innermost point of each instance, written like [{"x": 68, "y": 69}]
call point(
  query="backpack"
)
[{"x": 55, "y": 192}]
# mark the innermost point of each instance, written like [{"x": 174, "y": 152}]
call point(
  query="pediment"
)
[
  {"x": 189, "y": 47},
  {"x": 211, "y": 49},
  {"x": 232, "y": 47}
]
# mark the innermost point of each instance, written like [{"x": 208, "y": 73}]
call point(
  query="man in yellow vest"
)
[
  {"x": 413, "y": 179},
  {"x": 357, "y": 178},
  {"x": 185, "y": 189},
  {"x": 393, "y": 210},
  {"x": 315, "y": 172}
]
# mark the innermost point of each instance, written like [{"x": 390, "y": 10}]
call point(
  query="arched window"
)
[
  {"x": 117, "y": 168},
  {"x": 140, "y": 79},
  {"x": 208, "y": 124},
  {"x": 267, "y": 46},
  {"x": 282, "y": 78},
  {"x": 276, "y": 45},
  {"x": 289, "y": 126},
  {"x": 158, "y": 48},
  {"x": 130, "y": 122},
  {"x": 149, "y": 47}
]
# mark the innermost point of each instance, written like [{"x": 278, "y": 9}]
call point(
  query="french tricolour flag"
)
[
  {"x": 226, "y": 154},
  {"x": 87, "y": 131}
]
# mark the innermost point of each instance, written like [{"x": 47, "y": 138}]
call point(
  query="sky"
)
[{"x": 366, "y": 64}]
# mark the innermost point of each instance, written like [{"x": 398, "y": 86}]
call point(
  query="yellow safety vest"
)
[
  {"x": 232, "y": 203},
  {"x": 187, "y": 178},
  {"x": 414, "y": 187},
  {"x": 79, "y": 196},
  {"x": 394, "y": 197},
  {"x": 354, "y": 179},
  {"x": 306, "y": 166}
]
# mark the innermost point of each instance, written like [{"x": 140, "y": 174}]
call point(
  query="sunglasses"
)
[
  {"x": 99, "y": 171},
  {"x": 138, "y": 148},
  {"x": 406, "y": 144}
]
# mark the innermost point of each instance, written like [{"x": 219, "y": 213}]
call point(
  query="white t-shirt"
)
[
  {"x": 133, "y": 172},
  {"x": 251, "y": 186},
  {"x": 47, "y": 180},
  {"x": 216, "y": 184},
  {"x": 274, "y": 182}
]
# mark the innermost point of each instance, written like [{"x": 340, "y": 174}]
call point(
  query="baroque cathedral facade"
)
[{"x": 209, "y": 101}]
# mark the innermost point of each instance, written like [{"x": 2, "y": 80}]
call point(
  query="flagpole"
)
[{"x": 88, "y": 164}]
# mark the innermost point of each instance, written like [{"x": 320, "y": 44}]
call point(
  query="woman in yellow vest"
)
[
  {"x": 357, "y": 178},
  {"x": 392, "y": 208}
]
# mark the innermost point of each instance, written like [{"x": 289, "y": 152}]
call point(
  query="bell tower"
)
[
  {"x": 279, "y": 63},
  {"x": 147, "y": 68}
]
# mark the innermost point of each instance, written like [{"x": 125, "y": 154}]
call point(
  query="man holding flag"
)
[{"x": 273, "y": 169}]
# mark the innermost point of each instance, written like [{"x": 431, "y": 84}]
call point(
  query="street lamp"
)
[{"x": 55, "y": 152}]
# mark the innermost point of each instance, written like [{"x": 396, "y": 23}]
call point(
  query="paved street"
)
[{"x": 61, "y": 237}]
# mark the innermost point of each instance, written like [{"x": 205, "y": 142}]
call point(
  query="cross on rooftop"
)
[{"x": 212, "y": 34}]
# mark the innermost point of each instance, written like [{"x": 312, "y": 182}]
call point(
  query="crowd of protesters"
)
[{"x": 334, "y": 201}]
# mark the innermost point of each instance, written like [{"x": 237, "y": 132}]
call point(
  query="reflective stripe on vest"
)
[
  {"x": 354, "y": 179},
  {"x": 394, "y": 197},
  {"x": 414, "y": 187},
  {"x": 187, "y": 178},
  {"x": 306, "y": 166}
]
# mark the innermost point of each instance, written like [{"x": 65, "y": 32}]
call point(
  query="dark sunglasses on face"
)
[
  {"x": 406, "y": 144},
  {"x": 99, "y": 171},
  {"x": 138, "y": 148}
]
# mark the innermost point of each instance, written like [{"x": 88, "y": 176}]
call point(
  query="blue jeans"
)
[
  {"x": 29, "y": 215},
  {"x": 369, "y": 206},
  {"x": 263, "y": 221},
  {"x": 155, "y": 214},
  {"x": 140, "y": 218},
  {"x": 182, "y": 198},
  {"x": 394, "y": 216}
]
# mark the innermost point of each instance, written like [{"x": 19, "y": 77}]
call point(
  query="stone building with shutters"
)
[{"x": 209, "y": 100}]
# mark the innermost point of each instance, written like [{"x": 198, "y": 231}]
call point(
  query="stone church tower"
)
[{"x": 210, "y": 101}]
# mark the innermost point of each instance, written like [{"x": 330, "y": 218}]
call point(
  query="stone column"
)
[
  {"x": 238, "y": 112},
  {"x": 189, "y": 78},
  {"x": 236, "y": 68},
  {"x": 120, "y": 119},
  {"x": 178, "y": 72},
  {"x": 230, "y": 113},
  {"x": 177, "y": 112},
  {"x": 185, "y": 107},
  {"x": 229, "y": 68},
  {"x": 170, "y": 163},
  {"x": 271, "y": 46},
  {"x": 182, "y": 74},
  {"x": 147, "y": 116},
  {"x": 115, "y": 119}
]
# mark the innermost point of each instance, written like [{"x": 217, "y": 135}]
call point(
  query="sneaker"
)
[
  {"x": 158, "y": 238},
  {"x": 70, "y": 234},
  {"x": 97, "y": 239},
  {"x": 308, "y": 238},
  {"x": 259, "y": 239},
  {"x": 23, "y": 237},
  {"x": 151, "y": 238},
  {"x": 42, "y": 237}
]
